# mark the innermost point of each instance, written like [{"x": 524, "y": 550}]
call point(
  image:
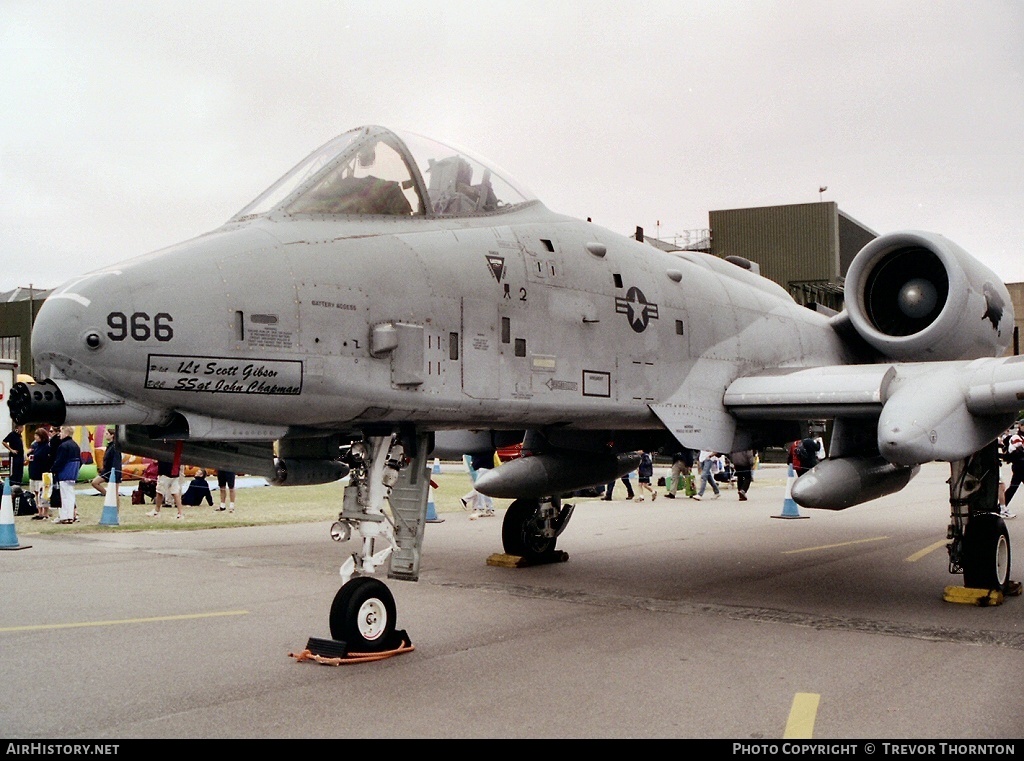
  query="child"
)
[{"x": 197, "y": 491}]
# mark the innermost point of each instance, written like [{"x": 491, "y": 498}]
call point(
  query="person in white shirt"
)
[
  {"x": 707, "y": 462},
  {"x": 1014, "y": 456}
]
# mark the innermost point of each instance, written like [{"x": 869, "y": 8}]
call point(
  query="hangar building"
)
[{"x": 806, "y": 248}]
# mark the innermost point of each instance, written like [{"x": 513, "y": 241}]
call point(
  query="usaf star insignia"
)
[{"x": 638, "y": 310}]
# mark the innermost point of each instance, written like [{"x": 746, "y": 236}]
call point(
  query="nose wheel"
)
[{"x": 363, "y": 615}]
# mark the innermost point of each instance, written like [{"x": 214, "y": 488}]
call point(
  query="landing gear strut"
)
[
  {"x": 980, "y": 544},
  {"x": 363, "y": 613}
]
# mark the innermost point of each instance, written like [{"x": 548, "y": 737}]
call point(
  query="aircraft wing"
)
[
  {"x": 810, "y": 393},
  {"x": 695, "y": 415},
  {"x": 926, "y": 411}
]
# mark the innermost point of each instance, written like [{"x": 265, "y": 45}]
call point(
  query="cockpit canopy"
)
[{"x": 372, "y": 170}]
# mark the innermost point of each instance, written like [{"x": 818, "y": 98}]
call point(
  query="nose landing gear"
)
[{"x": 363, "y": 615}]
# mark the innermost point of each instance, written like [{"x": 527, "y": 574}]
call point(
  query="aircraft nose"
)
[{"x": 70, "y": 328}]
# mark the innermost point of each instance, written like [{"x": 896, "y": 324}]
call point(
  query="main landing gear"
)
[
  {"x": 531, "y": 527},
  {"x": 980, "y": 544}
]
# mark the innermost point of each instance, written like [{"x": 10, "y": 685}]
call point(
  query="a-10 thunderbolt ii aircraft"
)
[{"x": 391, "y": 291}]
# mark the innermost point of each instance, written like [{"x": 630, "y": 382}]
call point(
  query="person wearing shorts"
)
[
  {"x": 226, "y": 482},
  {"x": 644, "y": 472},
  {"x": 168, "y": 489}
]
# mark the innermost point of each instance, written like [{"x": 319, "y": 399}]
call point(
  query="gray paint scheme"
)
[{"x": 506, "y": 318}]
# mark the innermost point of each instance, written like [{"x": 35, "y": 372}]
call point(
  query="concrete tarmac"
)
[{"x": 670, "y": 619}]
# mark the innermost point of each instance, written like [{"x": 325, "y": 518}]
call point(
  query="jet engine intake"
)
[{"x": 918, "y": 296}]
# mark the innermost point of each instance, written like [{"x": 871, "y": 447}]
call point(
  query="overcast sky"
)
[{"x": 128, "y": 126}]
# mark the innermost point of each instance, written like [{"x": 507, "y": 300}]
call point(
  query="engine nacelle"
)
[{"x": 918, "y": 296}]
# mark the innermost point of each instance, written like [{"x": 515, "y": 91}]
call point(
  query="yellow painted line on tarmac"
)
[
  {"x": 82, "y": 624},
  {"x": 832, "y": 546},
  {"x": 802, "y": 714},
  {"x": 927, "y": 550}
]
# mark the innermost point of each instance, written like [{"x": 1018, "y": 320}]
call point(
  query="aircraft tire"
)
[
  {"x": 363, "y": 615},
  {"x": 518, "y": 531},
  {"x": 986, "y": 552}
]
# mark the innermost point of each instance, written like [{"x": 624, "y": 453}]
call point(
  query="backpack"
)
[
  {"x": 1015, "y": 456},
  {"x": 793, "y": 454},
  {"x": 26, "y": 504},
  {"x": 808, "y": 454}
]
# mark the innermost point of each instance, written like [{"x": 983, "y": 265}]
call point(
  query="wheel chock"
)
[
  {"x": 974, "y": 596},
  {"x": 333, "y": 652},
  {"x": 328, "y": 648},
  {"x": 502, "y": 560}
]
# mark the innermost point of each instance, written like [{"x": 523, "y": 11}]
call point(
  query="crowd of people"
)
[
  {"x": 171, "y": 489},
  {"x": 713, "y": 469},
  {"x": 54, "y": 460}
]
